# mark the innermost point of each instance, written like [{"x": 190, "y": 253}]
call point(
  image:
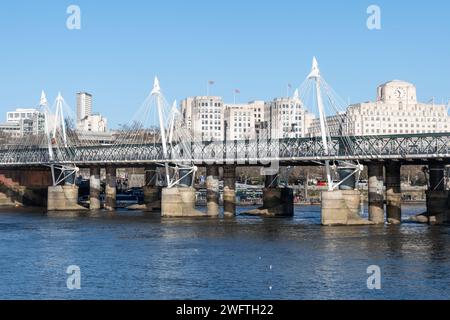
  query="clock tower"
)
[{"x": 397, "y": 92}]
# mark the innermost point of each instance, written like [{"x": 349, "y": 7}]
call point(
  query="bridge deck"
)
[{"x": 406, "y": 148}]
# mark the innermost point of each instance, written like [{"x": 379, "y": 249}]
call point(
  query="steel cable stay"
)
[{"x": 320, "y": 99}]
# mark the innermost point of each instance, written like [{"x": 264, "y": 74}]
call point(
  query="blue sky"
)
[{"x": 257, "y": 46}]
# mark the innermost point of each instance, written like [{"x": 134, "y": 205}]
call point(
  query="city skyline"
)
[
  {"x": 188, "y": 47},
  {"x": 396, "y": 110}
]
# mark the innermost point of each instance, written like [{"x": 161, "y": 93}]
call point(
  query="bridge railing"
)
[{"x": 240, "y": 152}]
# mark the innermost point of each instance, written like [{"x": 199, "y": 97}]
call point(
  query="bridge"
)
[
  {"x": 420, "y": 149},
  {"x": 158, "y": 140}
]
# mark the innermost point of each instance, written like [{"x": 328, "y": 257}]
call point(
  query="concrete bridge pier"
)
[
  {"x": 343, "y": 206},
  {"x": 438, "y": 201},
  {"x": 64, "y": 197},
  {"x": 110, "y": 188},
  {"x": 152, "y": 192},
  {"x": 94, "y": 189},
  {"x": 277, "y": 201},
  {"x": 212, "y": 190},
  {"x": 393, "y": 193},
  {"x": 179, "y": 201},
  {"x": 229, "y": 191},
  {"x": 376, "y": 193}
]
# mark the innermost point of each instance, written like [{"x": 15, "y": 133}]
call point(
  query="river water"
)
[{"x": 134, "y": 257}]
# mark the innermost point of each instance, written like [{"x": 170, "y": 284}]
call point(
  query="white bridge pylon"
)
[
  {"x": 323, "y": 93},
  {"x": 56, "y": 137},
  {"x": 172, "y": 134}
]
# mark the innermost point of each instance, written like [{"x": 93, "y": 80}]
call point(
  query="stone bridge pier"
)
[
  {"x": 212, "y": 190},
  {"x": 179, "y": 201},
  {"x": 393, "y": 193},
  {"x": 438, "y": 202},
  {"x": 152, "y": 192},
  {"x": 277, "y": 202},
  {"x": 229, "y": 191},
  {"x": 94, "y": 189},
  {"x": 111, "y": 188},
  {"x": 64, "y": 197},
  {"x": 343, "y": 206},
  {"x": 437, "y": 197},
  {"x": 376, "y": 192}
]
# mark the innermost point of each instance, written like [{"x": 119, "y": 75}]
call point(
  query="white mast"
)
[
  {"x": 315, "y": 74},
  {"x": 296, "y": 95},
  {"x": 43, "y": 104},
  {"x": 60, "y": 117},
  {"x": 173, "y": 113},
  {"x": 156, "y": 92}
]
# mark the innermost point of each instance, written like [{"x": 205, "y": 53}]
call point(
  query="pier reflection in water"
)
[{"x": 129, "y": 256}]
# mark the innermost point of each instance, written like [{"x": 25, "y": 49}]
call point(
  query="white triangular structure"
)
[
  {"x": 43, "y": 102},
  {"x": 315, "y": 75},
  {"x": 156, "y": 93},
  {"x": 156, "y": 87},
  {"x": 296, "y": 95},
  {"x": 59, "y": 119},
  {"x": 315, "y": 71},
  {"x": 173, "y": 114}
]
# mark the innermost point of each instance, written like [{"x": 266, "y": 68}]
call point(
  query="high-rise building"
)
[
  {"x": 84, "y": 105},
  {"x": 86, "y": 120}
]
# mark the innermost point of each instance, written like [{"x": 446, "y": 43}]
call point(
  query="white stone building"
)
[
  {"x": 239, "y": 122},
  {"x": 287, "y": 118},
  {"x": 209, "y": 119},
  {"x": 396, "y": 111},
  {"x": 93, "y": 123},
  {"x": 11, "y": 128},
  {"x": 23, "y": 122},
  {"x": 204, "y": 117}
]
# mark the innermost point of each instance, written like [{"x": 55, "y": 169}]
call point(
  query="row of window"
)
[
  {"x": 404, "y": 114},
  {"x": 210, "y": 122},
  {"x": 409, "y": 120},
  {"x": 241, "y": 130},
  {"x": 407, "y": 125},
  {"x": 210, "y": 128},
  {"x": 19, "y": 115},
  {"x": 211, "y": 116},
  {"x": 210, "y": 104},
  {"x": 378, "y": 131}
]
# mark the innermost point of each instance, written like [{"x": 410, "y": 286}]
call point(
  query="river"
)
[{"x": 129, "y": 256}]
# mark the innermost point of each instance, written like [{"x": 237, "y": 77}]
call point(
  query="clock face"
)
[{"x": 400, "y": 93}]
